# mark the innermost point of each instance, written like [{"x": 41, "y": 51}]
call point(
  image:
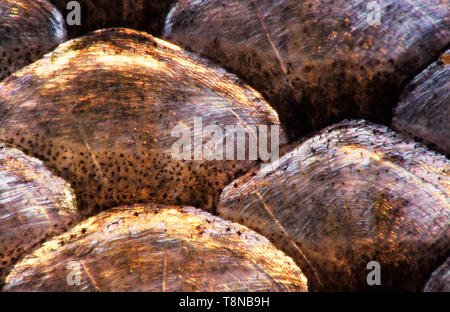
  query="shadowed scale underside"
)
[
  {"x": 145, "y": 15},
  {"x": 424, "y": 107},
  {"x": 34, "y": 206}
]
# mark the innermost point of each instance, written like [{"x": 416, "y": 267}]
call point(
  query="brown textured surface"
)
[
  {"x": 440, "y": 279},
  {"x": 316, "y": 62},
  {"x": 34, "y": 205},
  {"x": 28, "y": 30},
  {"x": 352, "y": 194},
  {"x": 158, "y": 248},
  {"x": 100, "y": 110},
  {"x": 424, "y": 107},
  {"x": 145, "y": 15}
]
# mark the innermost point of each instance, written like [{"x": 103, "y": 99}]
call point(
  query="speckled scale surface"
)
[
  {"x": 28, "y": 30},
  {"x": 440, "y": 279},
  {"x": 157, "y": 248},
  {"x": 354, "y": 193},
  {"x": 34, "y": 205},
  {"x": 100, "y": 111},
  {"x": 145, "y": 15},
  {"x": 316, "y": 62},
  {"x": 424, "y": 107}
]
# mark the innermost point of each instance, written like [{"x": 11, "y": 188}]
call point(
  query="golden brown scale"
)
[
  {"x": 352, "y": 194},
  {"x": 157, "y": 248},
  {"x": 34, "y": 206},
  {"x": 28, "y": 30},
  {"x": 145, "y": 15},
  {"x": 424, "y": 107},
  {"x": 316, "y": 62},
  {"x": 99, "y": 112}
]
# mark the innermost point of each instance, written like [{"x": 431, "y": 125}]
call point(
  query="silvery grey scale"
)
[
  {"x": 440, "y": 279},
  {"x": 91, "y": 15},
  {"x": 35, "y": 205},
  {"x": 317, "y": 62},
  {"x": 352, "y": 194},
  {"x": 90, "y": 126},
  {"x": 424, "y": 107}
]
